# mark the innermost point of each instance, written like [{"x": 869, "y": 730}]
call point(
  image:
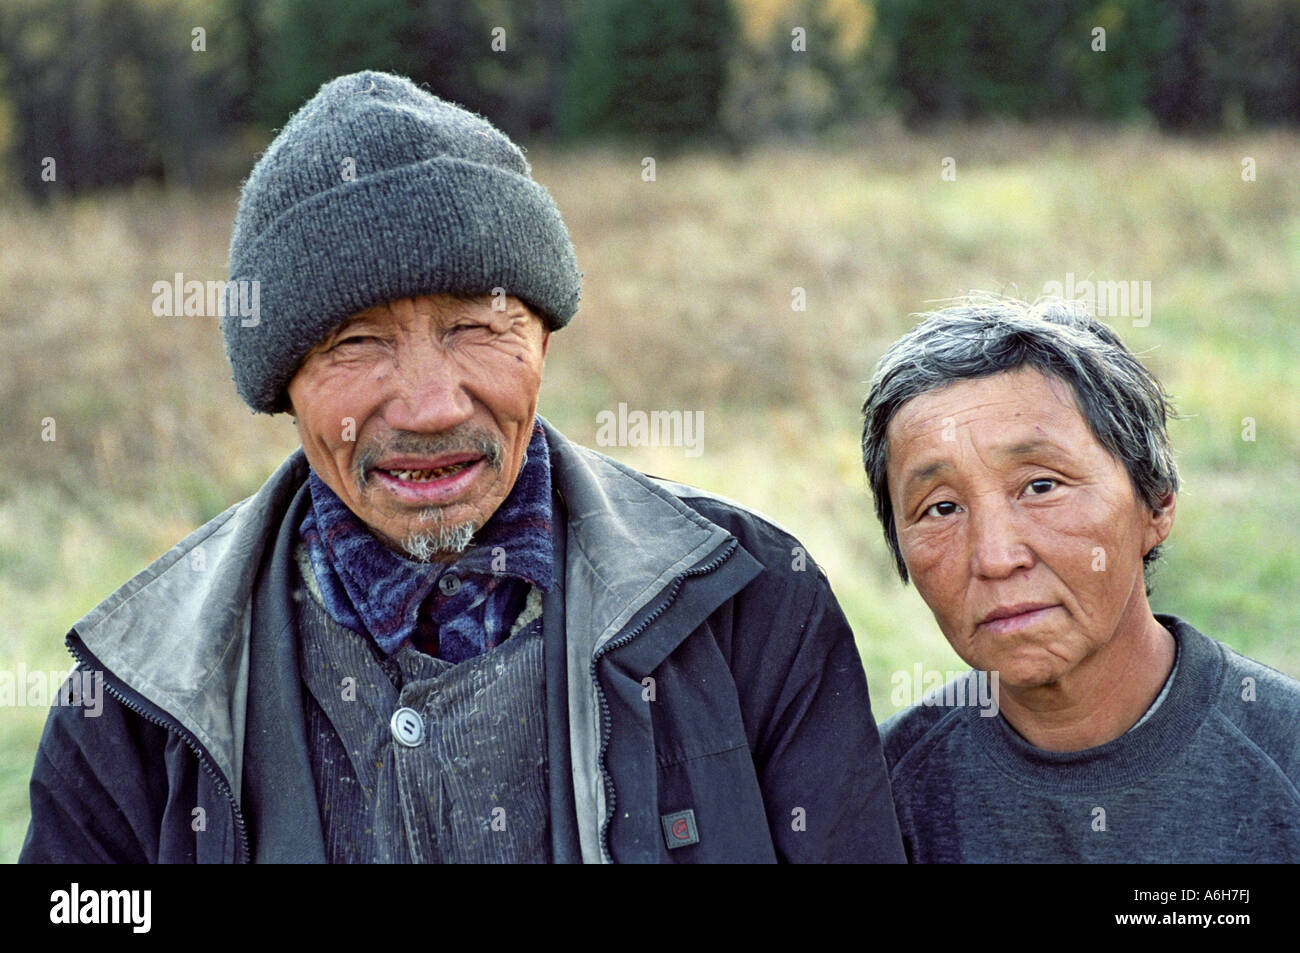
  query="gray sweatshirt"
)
[{"x": 1211, "y": 775}]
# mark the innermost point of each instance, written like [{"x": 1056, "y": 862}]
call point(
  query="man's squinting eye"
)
[
  {"x": 355, "y": 337},
  {"x": 470, "y": 326},
  {"x": 1040, "y": 486}
]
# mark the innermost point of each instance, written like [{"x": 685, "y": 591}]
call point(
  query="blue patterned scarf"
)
[{"x": 453, "y": 611}]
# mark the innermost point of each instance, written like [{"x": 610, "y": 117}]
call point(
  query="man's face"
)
[
  {"x": 417, "y": 413},
  {"x": 1022, "y": 533}
]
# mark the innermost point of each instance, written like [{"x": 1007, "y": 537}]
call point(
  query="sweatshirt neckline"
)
[{"x": 1141, "y": 751}]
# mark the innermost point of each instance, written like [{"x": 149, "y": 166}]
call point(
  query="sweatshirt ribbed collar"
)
[{"x": 1138, "y": 753}]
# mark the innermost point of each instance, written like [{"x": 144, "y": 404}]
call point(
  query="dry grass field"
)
[{"x": 687, "y": 305}]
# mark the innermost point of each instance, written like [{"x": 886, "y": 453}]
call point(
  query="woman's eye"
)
[
  {"x": 1040, "y": 486},
  {"x": 946, "y": 508},
  {"x": 355, "y": 339}
]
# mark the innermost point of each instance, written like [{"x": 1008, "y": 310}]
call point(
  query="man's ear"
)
[{"x": 546, "y": 340}]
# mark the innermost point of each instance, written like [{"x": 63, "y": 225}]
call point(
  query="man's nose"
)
[
  {"x": 428, "y": 393},
  {"x": 997, "y": 544}
]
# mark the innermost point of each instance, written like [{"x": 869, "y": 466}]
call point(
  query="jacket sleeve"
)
[
  {"x": 92, "y": 799},
  {"x": 817, "y": 751}
]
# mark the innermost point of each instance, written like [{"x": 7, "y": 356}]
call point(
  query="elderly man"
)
[
  {"x": 441, "y": 632},
  {"x": 1023, "y": 476}
]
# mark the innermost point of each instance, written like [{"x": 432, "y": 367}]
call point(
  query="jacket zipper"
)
[
  {"x": 606, "y": 780},
  {"x": 84, "y": 657}
]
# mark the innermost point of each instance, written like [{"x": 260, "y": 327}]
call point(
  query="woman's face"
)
[{"x": 1023, "y": 533}]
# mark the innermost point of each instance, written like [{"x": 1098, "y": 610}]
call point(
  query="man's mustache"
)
[{"x": 405, "y": 442}]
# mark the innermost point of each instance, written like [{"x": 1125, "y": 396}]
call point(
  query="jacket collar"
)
[
  {"x": 177, "y": 634},
  {"x": 628, "y": 538}
]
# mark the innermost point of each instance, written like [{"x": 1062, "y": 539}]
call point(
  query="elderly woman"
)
[{"x": 1023, "y": 476}]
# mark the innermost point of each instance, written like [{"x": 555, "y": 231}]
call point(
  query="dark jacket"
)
[{"x": 696, "y": 660}]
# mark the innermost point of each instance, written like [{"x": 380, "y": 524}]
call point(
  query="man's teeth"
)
[{"x": 422, "y": 476}]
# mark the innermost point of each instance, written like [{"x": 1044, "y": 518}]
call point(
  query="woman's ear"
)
[{"x": 1161, "y": 521}]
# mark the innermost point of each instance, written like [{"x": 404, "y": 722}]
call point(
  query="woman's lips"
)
[
  {"x": 430, "y": 487},
  {"x": 1018, "y": 622}
]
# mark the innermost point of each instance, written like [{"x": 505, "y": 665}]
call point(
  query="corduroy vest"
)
[{"x": 417, "y": 760}]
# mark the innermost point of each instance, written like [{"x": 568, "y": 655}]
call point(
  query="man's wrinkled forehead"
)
[{"x": 444, "y": 310}]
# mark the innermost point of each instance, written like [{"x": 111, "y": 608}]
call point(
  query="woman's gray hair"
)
[{"x": 1124, "y": 405}]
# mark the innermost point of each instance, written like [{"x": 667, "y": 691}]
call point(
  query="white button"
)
[{"x": 408, "y": 727}]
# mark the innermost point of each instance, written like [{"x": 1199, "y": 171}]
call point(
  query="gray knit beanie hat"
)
[{"x": 376, "y": 190}]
